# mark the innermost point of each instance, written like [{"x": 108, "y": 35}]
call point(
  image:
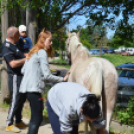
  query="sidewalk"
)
[{"x": 44, "y": 128}]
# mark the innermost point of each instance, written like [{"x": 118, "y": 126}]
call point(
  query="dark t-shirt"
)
[{"x": 11, "y": 52}]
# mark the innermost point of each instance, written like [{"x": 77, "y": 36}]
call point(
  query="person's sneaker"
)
[
  {"x": 12, "y": 128},
  {"x": 21, "y": 125}
]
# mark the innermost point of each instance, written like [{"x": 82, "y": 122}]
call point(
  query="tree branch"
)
[
  {"x": 48, "y": 7},
  {"x": 72, "y": 14},
  {"x": 65, "y": 7}
]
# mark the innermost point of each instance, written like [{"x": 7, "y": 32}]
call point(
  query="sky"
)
[{"x": 81, "y": 20}]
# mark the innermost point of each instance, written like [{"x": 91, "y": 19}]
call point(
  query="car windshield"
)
[{"x": 125, "y": 73}]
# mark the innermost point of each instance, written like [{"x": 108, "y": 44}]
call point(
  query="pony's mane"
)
[{"x": 75, "y": 42}]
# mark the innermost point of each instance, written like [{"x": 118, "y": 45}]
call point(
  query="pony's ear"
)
[
  {"x": 78, "y": 34},
  {"x": 68, "y": 33}
]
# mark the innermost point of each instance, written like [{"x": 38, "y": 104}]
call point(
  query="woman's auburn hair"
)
[{"x": 40, "y": 44}]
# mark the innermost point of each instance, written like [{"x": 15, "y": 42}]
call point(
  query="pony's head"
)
[{"x": 71, "y": 43}]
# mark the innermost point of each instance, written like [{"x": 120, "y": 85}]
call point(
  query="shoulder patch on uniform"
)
[{"x": 7, "y": 45}]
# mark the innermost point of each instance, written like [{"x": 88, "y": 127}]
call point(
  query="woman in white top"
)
[
  {"x": 36, "y": 71},
  {"x": 69, "y": 104}
]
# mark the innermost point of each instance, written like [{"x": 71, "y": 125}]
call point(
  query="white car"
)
[
  {"x": 120, "y": 49},
  {"x": 130, "y": 51}
]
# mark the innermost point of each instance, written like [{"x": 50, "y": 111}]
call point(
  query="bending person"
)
[
  {"x": 36, "y": 71},
  {"x": 69, "y": 104}
]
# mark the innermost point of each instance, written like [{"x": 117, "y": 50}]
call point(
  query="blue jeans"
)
[{"x": 54, "y": 120}]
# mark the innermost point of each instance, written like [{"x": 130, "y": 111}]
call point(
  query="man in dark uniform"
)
[{"x": 14, "y": 59}]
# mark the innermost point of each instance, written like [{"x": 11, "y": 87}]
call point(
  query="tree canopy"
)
[
  {"x": 57, "y": 13},
  {"x": 53, "y": 13},
  {"x": 124, "y": 36}
]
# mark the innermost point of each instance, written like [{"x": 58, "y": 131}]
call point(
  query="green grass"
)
[
  {"x": 4, "y": 105},
  {"x": 61, "y": 61},
  {"x": 116, "y": 59},
  {"x": 45, "y": 115}
]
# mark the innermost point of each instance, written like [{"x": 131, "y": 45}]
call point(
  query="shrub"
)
[{"x": 127, "y": 116}]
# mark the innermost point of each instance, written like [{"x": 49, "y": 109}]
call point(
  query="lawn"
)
[{"x": 116, "y": 59}]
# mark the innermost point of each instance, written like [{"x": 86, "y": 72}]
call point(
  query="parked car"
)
[
  {"x": 125, "y": 53},
  {"x": 126, "y": 84},
  {"x": 110, "y": 51},
  {"x": 95, "y": 52},
  {"x": 120, "y": 49},
  {"x": 130, "y": 51},
  {"x": 92, "y": 51},
  {"x": 104, "y": 50}
]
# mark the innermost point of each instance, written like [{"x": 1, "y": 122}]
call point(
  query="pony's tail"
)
[{"x": 96, "y": 78}]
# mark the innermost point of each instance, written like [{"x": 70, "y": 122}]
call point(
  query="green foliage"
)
[
  {"x": 132, "y": 131},
  {"x": 106, "y": 12},
  {"x": 5, "y": 105},
  {"x": 59, "y": 38},
  {"x": 86, "y": 43},
  {"x": 45, "y": 115},
  {"x": 124, "y": 36},
  {"x": 84, "y": 36},
  {"x": 47, "y": 87},
  {"x": 60, "y": 56},
  {"x": 127, "y": 117}
]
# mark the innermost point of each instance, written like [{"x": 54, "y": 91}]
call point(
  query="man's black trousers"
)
[{"x": 17, "y": 99}]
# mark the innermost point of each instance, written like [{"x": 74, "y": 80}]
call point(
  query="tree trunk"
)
[
  {"x": 23, "y": 16},
  {"x": 31, "y": 23},
  {"x": 4, "y": 75},
  {"x": 4, "y": 21}
]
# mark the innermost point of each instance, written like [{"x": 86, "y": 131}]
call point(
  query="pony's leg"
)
[
  {"x": 109, "y": 115},
  {"x": 111, "y": 94}
]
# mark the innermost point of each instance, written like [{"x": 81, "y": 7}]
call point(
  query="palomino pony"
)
[{"x": 98, "y": 75}]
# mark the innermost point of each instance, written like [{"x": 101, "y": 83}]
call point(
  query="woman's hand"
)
[{"x": 66, "y": 76}]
